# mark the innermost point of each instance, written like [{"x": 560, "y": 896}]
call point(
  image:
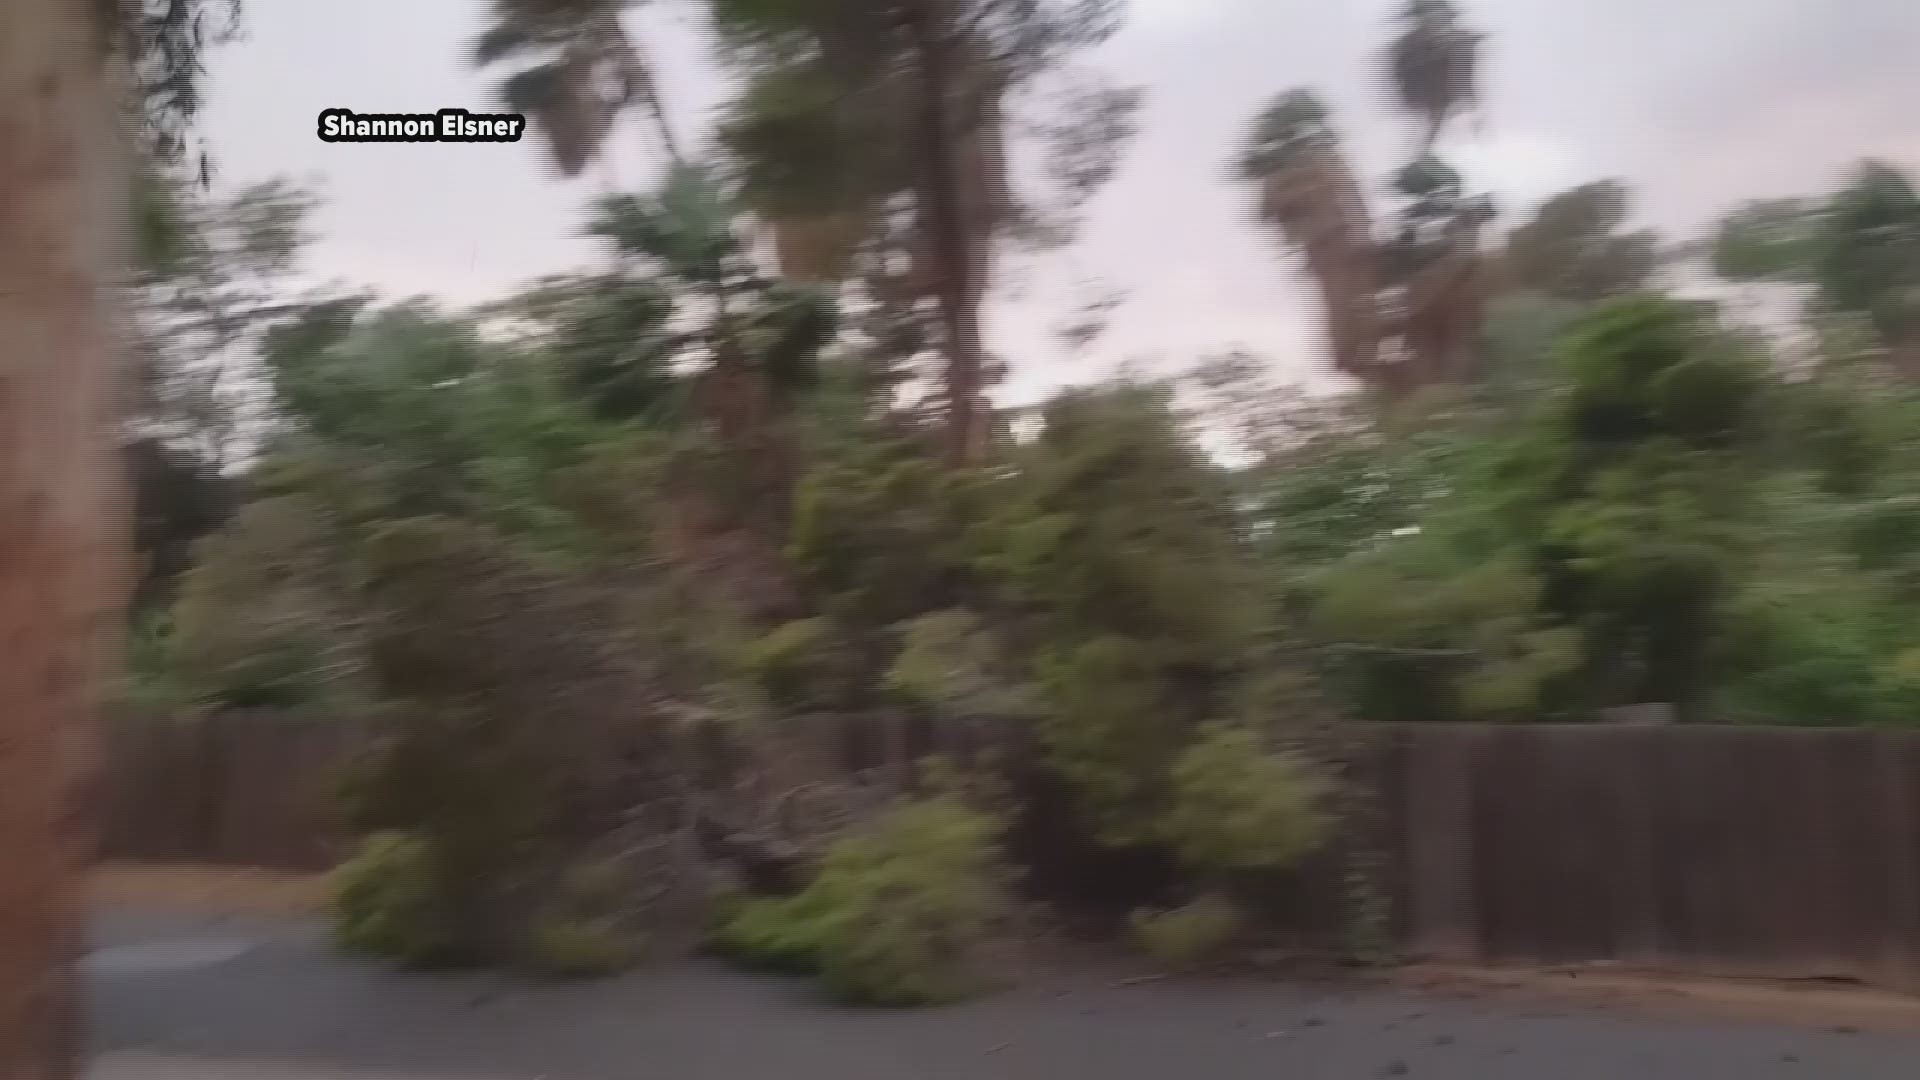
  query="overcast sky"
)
[{"x": 1697, "y": 103}]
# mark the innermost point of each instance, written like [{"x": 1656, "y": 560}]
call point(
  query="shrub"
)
[
  {"x": 580, "y": 948},
  {"x": 1238, "y": 806},
  {"x": 1109, "y": 731},
  {"x": 1187, "y": 937},
  {"x": 803, "y": 665},
  {"x": 777, "y": 935},
  {"x": 386, "y": 900},
  {"x": 584, "y": 931},
  {"x": 254, "y": 626},
  {"x": 894, "y": 918}
]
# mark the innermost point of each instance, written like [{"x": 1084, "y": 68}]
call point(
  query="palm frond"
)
[
  {"x": 501, "y": 41},
  {"x": 686, "y": 228},
  {"x": 567, "y": 108},
  {"x": 1434, "y": 63}
]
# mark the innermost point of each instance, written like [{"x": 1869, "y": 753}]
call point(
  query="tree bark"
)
[
  {"x": 62, "y": 571},
  {"x": 949, "y": 235}
]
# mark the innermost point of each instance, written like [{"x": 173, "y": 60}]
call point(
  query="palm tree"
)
[
  {"x": 858, "y": 112},
  {"x": 1402, "y": 312},
  {"x": 580, "y": 70},
  {"x": 1434, "y": 65},
  {"x": 1308, "y": 193},
  {"x": 62, "y": 198},
  {"x": 758, "y": 340}
]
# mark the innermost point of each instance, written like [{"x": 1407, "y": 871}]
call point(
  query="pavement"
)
[{"x": 198, "y": 997}]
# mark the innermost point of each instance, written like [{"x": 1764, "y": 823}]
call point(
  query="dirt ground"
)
[{"x": 215, "y": 890}]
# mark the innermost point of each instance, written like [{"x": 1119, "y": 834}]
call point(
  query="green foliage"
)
[
  {"x": 952, "y": 663},
  {"x": 388, "y": 900},
  {"x": 896, "y": 916},
  {"x": 580, "y": 949},
  {"x": 685, "y": 228},
  {"x": 1348, "y": 481},
  {"x": 1573, "y": 248},
  {"x": 1429, "y": 639},
  {"x": 825, "y": 128},
  {"x": 1858, "y": 248},
  {"x": 1518, "y": 343},
  {"x": 151, "y": 684},
  {"x": 1775, "y": 239},
  {"x": 1120, "y": 524},
  {"x": 1110, "y": 730},
  {"x": 884, "y": 533},
  {"x": 255, "y": 624},
  {"x": 609, "y": 332},
  {"x": 805, "y": 665},
  {"x": 774, "y": 935},
  {"x": 178, "y": 498},
  {"x": 1870, "y": 257},
  {"x": 1238, "y": 806},
  {"x": 584, "y": 931},
  {"x": 1635, "y": 490},
  {"x": 1190, "y": 936}
]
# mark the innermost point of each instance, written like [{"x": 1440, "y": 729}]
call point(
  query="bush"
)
[
  {"x": 896, "y": 915},
  {"x": 1188, "y": 937},
  {"x": 1238, "y": 806},
  {"x": 580, "y": 948},
  {"x": 386, "y": 901},
  {"x": 803, "y": 665},
  {"x": 776, "y": 935},
  {"x": 584, "y": 931}
]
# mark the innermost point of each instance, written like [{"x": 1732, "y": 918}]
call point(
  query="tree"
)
[
  {"x": 1856, "y": 252},
  {"x": 63, "y": 577},
  {"x": 1404, "y": 311},
  {"x": 1633, "y": 487},
  {"x": 1573, "y": 248},
  {"x": 1433, "y": 65},
  {"x": 888, "y": 122},
  {"x": 757, "y": 341},
  {"x": 1308, "y": 192},
  {"x": 209, "y": 278}
]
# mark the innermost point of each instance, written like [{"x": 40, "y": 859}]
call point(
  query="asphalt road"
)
[{"x": 202, "y": 989}]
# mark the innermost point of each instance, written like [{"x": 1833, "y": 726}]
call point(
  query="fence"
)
[
  {"x": 234, "y": 789},
  {"x": 1730, "y": 850}
]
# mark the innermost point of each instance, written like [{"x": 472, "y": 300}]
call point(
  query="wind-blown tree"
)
[
  {"x": 209, "y": 278},
  {"x": 608, "y": 332},
  {"x": 1307, "y": 191},
  {"x": 1633, "y": 488},
  {"x": 578, "y": 69},
  {"x": 1402, "y": 311},
  {"x": 1857, "y": 252},
  {"x": 1574, "y": 248},
  {"x": 1434, "y": 65},
  {"x": 1437, "y": 272},
  {"x": 757, "y": 341},
  {"x": 888, "y": 125},
  {"x": 1573, "y": 253}
]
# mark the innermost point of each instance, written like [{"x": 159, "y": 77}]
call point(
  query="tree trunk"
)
[
  {"x": 638, "y": 77},
  {"x": 62, "y": 574},
  {"x": 948, "y": 233}
]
